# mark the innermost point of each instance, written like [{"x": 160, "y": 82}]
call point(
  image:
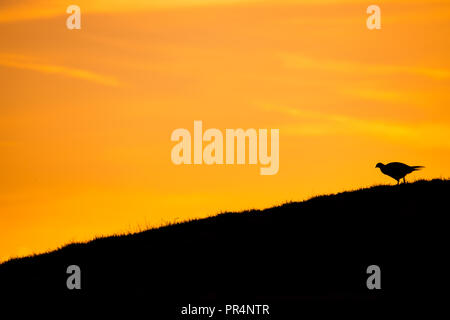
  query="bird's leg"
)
[
  {"x": 398, "y": 182},
  {"x": 404, "y": 181}
]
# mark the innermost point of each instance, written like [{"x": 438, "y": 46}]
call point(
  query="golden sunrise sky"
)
[{"x": 86, "y": 115}]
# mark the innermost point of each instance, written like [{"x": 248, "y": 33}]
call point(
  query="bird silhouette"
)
[{"x": 397, "y": 170}]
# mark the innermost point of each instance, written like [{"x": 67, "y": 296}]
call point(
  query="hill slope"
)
[{"x": 316, "y": 250}]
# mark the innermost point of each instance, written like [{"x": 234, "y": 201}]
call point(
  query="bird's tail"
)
[{"x": 417, "y": 167}]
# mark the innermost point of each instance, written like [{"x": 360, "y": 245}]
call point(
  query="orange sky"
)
[{"x": 86, "y": 115}]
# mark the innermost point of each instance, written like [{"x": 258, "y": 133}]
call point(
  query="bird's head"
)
[{"x": 379, "y": 165}]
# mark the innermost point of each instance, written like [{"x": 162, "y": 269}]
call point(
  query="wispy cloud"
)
[
  {"x": 308, "y": 123},
  {"x": 28, "y": 63},
  {"x": 35, "y": 9},
  {"x": 385, "y": 95},
  {"x": 343, "y": 66},
  {"x": 13, "y": 10}
]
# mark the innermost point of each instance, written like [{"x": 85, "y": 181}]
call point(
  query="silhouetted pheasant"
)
[{"x": 397, "y": 170}]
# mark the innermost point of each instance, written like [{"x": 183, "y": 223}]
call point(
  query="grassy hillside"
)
[{"x": 307, "y": 252}]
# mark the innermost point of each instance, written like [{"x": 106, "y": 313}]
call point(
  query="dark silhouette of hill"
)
[{"x": 291, "y": 256}]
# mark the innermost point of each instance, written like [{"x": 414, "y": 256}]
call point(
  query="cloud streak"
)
[
  {"x": 34, "y": 9},
  {"x": 27, "y": 63},
  {"x": 341, "y": 66},
  {"x": 311, "y": 123}
]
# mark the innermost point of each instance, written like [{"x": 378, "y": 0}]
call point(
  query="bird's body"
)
[{"x": 397, "y": 170}]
